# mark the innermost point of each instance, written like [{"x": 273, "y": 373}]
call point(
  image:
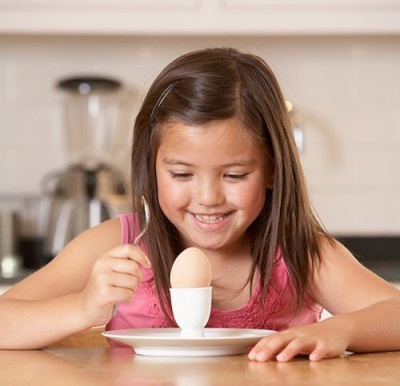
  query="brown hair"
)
[{"x": 217, "y": 84}]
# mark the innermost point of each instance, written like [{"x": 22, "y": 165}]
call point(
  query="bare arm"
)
[
  {"x": 366, "y": 309},
  {"x": 75, "y": 291}
]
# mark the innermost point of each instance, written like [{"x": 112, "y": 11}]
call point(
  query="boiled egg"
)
[{"x": 191, "y": 269}]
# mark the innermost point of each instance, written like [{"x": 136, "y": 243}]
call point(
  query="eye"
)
[
  {"x": 180, "y": 175},
  {"x": 237, "y": 176}
]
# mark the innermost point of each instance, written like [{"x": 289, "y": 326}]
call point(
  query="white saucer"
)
[{"x": 167, "y": 341}]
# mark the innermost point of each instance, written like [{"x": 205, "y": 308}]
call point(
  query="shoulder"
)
[
  {"x": 68, "y": 272},
  {"x": 88, "y": 246},
  {"x": 340, "y": 283},
  {"x": 334, "y": 258},
  {"x": 103, "y": 236}
]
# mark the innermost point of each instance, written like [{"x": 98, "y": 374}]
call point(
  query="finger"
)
[
  {"x": 295, "y": 347},
  {"x": 268, "y": 347},
  {"x": 321, "y": 351},
  {"x": 131, "y": 252},
  {"x": 120, "y": 295},
  {"x": 129, "y": 282},
  {"x": 105, "y": 281},
  {"x": 109, "y": 295},
  {"x": 126, "y": 266}
]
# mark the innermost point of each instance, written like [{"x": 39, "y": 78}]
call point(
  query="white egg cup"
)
[{"x": 191, "y": 308}]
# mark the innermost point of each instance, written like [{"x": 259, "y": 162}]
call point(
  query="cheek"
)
[
  {"x": 170, "y": 194},
  {"x": 250, "y": 197}
]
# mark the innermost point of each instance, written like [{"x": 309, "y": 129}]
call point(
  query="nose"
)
[{"x": 208, "y": 192}]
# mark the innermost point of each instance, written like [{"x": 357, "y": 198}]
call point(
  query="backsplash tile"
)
[{"x": 347, "y": 88}]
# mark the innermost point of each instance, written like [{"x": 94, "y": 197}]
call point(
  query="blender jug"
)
[
  {"x": 91, "y": 107},
  {"x": 91, "y": 189}
]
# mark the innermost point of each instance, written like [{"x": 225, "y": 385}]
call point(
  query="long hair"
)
[{"x": 217, "y": 84}]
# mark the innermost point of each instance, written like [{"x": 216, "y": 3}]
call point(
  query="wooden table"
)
[{"x": 85, "y": 359}]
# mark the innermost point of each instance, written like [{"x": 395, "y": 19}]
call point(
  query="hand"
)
[
  {"x": 114, "y": 279},
  {"x": 318, "y": 341}
]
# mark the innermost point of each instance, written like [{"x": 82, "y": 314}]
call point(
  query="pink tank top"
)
[{"x": 275, "y": 313}]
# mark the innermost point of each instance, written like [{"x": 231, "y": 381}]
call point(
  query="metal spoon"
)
[{"x": 146, "y": 211}]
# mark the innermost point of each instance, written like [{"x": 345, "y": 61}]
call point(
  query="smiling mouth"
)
[{"x": 210, "y": 219}]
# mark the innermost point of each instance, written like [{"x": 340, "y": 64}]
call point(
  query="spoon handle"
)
[{"x": 146, "y": 212}]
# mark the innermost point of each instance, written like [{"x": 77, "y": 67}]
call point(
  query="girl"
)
[{"x": 214, "y": 155}]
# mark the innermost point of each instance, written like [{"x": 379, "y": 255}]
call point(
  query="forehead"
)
[
  {"x": 228, "y": 137},
  {"x": 217, "y": 143}
]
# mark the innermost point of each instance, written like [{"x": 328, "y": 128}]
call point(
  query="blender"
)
[{"x": 91, "y": 189}]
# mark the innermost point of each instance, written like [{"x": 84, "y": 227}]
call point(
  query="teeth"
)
[{"x": 210, "y": 219}]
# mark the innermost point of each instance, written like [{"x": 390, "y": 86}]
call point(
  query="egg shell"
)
[{"x": 191, "y": 269}]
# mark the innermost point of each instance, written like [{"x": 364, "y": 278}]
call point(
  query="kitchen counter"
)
[{"x": 85, "y": 359}]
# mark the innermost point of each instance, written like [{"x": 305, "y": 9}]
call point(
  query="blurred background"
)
[{"x": 338, "y": 63}]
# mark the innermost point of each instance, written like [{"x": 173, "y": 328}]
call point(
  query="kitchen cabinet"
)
[{"x": 199, "y": 17}]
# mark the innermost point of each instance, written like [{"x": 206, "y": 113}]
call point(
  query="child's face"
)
[{"x": 211, "y": 182}]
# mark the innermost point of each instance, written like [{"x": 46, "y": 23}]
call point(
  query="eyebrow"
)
[{"x": 175, "y": 161}]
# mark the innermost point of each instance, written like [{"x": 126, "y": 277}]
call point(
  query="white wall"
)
[{"x": 348, "y": 89}]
